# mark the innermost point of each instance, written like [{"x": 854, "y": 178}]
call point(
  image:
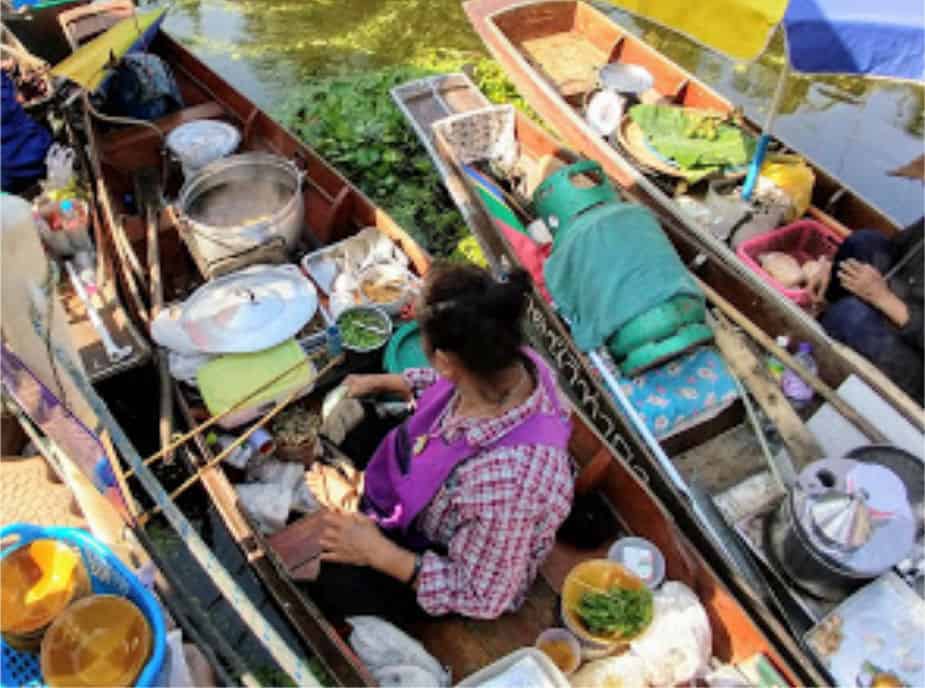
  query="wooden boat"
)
[
  {"x": 430, "y": 104},
  {"x": 529, "y": 38},
  {"x": 336, "y": 209}
]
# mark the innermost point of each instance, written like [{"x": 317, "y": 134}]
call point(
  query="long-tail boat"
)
[
  {"x": 336, "y": 209},
  {"x": 545, "y": 45}
]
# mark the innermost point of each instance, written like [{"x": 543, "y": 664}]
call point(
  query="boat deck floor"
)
[
  {"x": 569, "y": 60},
  {"x": 467, "y": 645},
  {"x": 723, "y": 461}
]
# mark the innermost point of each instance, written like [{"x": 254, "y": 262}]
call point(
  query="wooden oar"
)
[
  {"x": 148, "y": 195},
  {"x": 827, "y": 393}
]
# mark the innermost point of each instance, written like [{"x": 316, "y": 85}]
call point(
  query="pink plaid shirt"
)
[{"x": 497, "y": 514}]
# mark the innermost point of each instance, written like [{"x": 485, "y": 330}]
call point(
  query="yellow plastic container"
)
[
  {"x": 102, "y": 640},
  {"x": 37, "y": 581}
]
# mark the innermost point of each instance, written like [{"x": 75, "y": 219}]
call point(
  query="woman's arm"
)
[{"x": 367, "y": 385}]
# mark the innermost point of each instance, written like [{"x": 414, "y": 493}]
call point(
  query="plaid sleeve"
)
[
  {"x": 490, "y": 556},
  {"x": 484, "y": 570},
  {"x": 419, "y": 379}
]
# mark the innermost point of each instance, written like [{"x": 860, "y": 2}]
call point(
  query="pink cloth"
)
[{"x": 497, "y": 514}]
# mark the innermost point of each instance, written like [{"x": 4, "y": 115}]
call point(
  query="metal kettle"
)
[{"x": 843, "y": 523}]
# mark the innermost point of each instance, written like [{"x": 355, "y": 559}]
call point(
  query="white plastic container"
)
[{"x": 196, "y": 144}]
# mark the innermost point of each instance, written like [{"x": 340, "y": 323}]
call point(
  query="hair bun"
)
[{"x": 507, "y": 297}]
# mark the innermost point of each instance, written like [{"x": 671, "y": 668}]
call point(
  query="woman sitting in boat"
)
[
  {"x": 875, "y": 295},
  {"x": 461, "y": 503}
]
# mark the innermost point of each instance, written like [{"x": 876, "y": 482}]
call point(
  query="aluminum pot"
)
[
  {"x": 236, "y": 205},
  {"x": 825, "y": 535}
]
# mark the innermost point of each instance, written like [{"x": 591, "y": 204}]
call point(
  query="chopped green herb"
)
[
  {"x": 616, "y": 612},
  {"x": 361, "y": 329}
]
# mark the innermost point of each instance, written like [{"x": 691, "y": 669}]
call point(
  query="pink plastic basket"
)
[{"x": 804, "y": 240}]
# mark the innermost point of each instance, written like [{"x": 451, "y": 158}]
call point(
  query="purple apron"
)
[{"x": 399, "y": 484}]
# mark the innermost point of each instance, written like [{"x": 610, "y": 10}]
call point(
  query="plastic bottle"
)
[
  {"x": 74, "y": 217},
  {"x": 795, "y": 388},
  {"x": 774, "y": 365},
  {"x": 237, "y": 458}
]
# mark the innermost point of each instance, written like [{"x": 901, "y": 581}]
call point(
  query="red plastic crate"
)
[{"x": 804, "y": 240}]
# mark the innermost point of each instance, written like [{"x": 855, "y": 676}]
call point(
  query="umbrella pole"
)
[{"x": 754, "y": 169}]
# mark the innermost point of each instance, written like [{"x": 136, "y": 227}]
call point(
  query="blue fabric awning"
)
[{"x": 876, "y": 37}]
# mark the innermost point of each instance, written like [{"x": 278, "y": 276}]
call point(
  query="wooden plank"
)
[{"x": 803, "y": 447}]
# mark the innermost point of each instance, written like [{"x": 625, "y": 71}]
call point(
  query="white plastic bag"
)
[
  {"x": 625, "y": 671},
  {"x": 677, "y": 646},
  {"x": 285, "y": 476},
  {"x": 266, "y": 505},
  {"x": 59, "y": 165},
  {"x": 404, "y": 676},
  {"x": 379, "y": 645}
]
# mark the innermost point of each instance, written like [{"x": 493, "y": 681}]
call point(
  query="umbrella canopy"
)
[
  {"x": 884, "y": 38},
  {"x": 740, "y": 29},
  {"x": 88, "y": 65}
]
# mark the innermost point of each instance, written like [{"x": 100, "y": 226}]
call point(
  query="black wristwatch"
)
[{"x": 418, "y": 563}]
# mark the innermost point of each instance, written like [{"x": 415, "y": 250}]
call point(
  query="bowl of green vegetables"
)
[
  {"x": 605, "y": 604},
  {"x": 364, "y": 328}
]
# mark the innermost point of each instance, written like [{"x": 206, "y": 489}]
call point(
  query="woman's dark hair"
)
[{"x": 468, "y": 312}]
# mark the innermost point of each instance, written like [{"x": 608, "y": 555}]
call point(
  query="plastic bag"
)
[
  {"x": 403, "y": 676},
  {"x": 678, "y": 644},
  {"x": 266, "y": 505},
  {"x": 379, "y": 645},
  {"x": 795, "y": 178},
  {"x": 59, "y": 165},
  {"x": 282, "y": 474},
  {"x": 625, "y": 671}
]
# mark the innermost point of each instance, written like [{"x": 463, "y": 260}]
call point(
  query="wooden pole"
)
[
  {"x": 827, "y": 393},
  {"x": 183, "y": 439},
  {"x": 800, "y": 442},
  {"x": 148, "y": 195}
]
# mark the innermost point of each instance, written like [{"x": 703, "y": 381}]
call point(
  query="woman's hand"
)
[
  {"x": 351, "y": 539},
  {"x": 864, "y": 281}
]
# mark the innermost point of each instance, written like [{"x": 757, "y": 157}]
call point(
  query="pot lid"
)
[
  {"x": 203, "y": 140},
  {"x": 856, "y": 515},
  {"x": 249, "y": 310},
  {"x": 626, "y": 78}
]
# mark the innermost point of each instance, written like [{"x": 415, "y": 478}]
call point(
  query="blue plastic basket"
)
[{"x": 108, "y": 576}]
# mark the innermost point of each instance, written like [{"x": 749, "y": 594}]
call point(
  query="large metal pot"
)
[
  {"x": 235, "y": 206},
  {"x": 829, "y": 537}
]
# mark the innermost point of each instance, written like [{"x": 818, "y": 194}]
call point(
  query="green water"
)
[{"x": 856, "y": 128}]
